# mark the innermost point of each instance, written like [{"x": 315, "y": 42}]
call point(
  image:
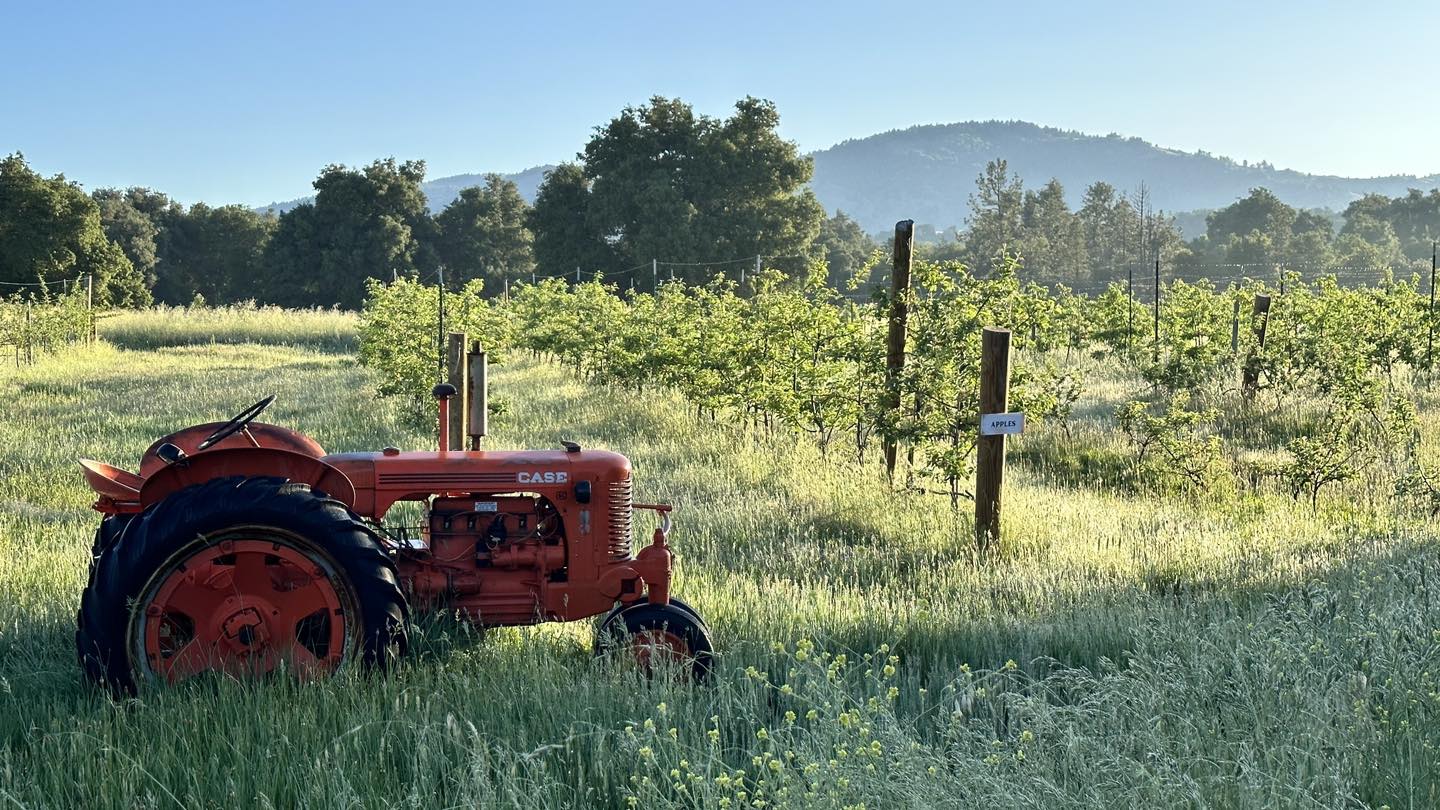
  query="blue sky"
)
[{"x": 244, "y": 102}]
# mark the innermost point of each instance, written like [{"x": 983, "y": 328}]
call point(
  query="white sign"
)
[{"x": 1001, "y": 424}]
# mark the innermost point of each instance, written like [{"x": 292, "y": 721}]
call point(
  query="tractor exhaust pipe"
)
[
  {"x": 479, "y": 381},
  {"x": 443, "y": 392}
]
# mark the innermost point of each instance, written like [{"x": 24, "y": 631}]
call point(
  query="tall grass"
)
[
  {"x": 1126, "y": 651},
  {"x": 320, "y": 329}
]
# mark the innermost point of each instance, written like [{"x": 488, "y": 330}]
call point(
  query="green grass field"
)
[{"x": 1125, "y": 651}]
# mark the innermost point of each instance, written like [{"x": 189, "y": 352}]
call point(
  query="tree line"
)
[
  {"x": 657, "y": 182},
  {"x": 1115, "y": 233}
]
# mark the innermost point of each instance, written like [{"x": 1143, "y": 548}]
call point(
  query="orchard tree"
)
[
  {"x": 364, "y": 223},
  {"x": 50, "y": 230},
  {"x": 484, "y": 234},
  {"x": 560, "y": 221}
]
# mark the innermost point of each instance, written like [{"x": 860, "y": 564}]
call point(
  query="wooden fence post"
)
[
  {"x": 990, "y": 450},
  {"x": 456, "y": 373},
  {"x": 1260, "y": 319},
  {"x": 479, "y": 394},
  {"x": 895, "y": 336}
]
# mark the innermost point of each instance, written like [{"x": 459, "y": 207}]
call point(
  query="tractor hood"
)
[{"x": 388, "y": 476}]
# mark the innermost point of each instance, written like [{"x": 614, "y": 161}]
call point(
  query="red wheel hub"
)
[
  {"x": 242, "y": 607},
  {"x": 654, "y": 646}
]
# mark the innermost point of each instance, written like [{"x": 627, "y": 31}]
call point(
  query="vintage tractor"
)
[{"x": 243, "y": 548}]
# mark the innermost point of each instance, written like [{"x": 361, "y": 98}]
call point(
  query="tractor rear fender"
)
[
  {"x": 257, "y": 434},
  {"x": 250, "y": 462}
]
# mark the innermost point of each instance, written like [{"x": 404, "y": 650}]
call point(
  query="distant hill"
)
[
  {"x": 442, "y": 190},
  {"x": 927, "y": 173}
]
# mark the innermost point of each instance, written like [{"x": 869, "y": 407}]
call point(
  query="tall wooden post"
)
[
  {"x": 895, "y": 336},
  {"x": 1260, "y": 319},
  {"x": 990, "y": 450},
  {"x": 457, "y": 372},
  {"x": 478, "y": 394}
]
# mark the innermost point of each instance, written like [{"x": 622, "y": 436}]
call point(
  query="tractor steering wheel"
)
[{"x": 236, "y": 424}]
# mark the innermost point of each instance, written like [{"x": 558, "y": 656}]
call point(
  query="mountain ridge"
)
[{"x": 927, "y": 172}]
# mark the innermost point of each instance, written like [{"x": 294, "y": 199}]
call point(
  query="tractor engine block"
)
[
  {"x": 510, "y": 543},
  {"x": 501, "y": 531}
]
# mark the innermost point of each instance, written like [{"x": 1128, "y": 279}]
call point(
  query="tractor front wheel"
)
[
  {"x": 243, "y": 577},
  {"x": 658, "y": 636}
]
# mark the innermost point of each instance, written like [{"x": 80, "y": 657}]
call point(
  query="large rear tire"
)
[{"x": 242, "y": 576}]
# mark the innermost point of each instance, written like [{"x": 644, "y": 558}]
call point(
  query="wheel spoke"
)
[
  {"x": 299, "y": 603},
  {"x": 252, "y": 576},
  {"x": 192, "y": 659},
  {"x": 190, "y": 599},
  {"x": 303, "y": 661}
]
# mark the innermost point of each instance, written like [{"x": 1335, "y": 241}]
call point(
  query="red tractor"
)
[{"x": 243, "y": 548}]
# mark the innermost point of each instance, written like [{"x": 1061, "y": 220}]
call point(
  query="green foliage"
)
[
  {"x": 216, "y": 253},
  {"x": 1412, "y": 221},
  {"x": 50, "y": 231},
  {"x": 1053, "y": 239},
  {"x": 667, "y": 183},
  {"x": 847, "y": 252},
  {"x": 1175, "y": 447},
  {"x": 560, "y": 221},
  {"x": 794, "y": 356},
  {"x": 131, "y": 229},
  {"x": 1097, "y": 243},
  {"x": 32, "y": 325},
  {"x": 1194, "y": 339},
  {"x": 995, "y": 210},
  {"x": 483, "y": 234},
  {"x": 364, "y": 223},
  {"x": 399, "y": 334}
]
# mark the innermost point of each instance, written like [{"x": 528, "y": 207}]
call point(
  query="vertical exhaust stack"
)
[
  {"x": 479, "y": 400},
  {"x": 443, "y": 392}
]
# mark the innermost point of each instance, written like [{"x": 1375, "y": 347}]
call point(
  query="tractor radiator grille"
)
[{"x": 620, "y": 519}]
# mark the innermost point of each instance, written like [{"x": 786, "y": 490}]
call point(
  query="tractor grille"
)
[{"x": 620, "y": 519}]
